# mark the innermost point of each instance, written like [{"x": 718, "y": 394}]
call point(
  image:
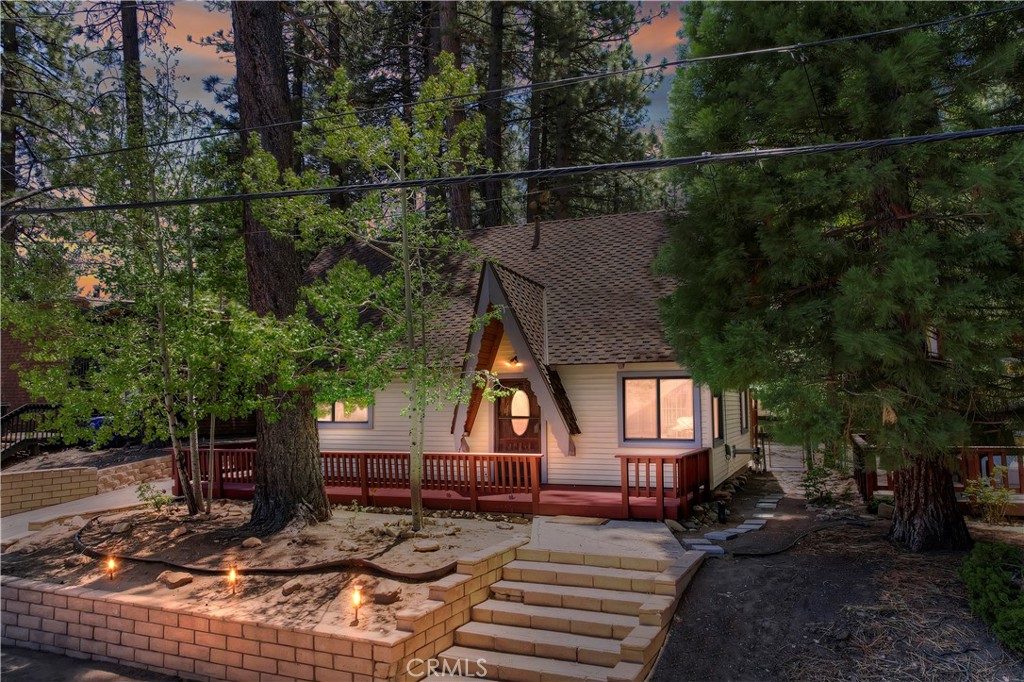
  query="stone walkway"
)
[{"x": 16, "y": 526}]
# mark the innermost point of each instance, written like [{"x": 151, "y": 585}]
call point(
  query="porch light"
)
[
  {"x": 233, "y": 577},
  {"x": 111, "y": 565},
  {"x": 357, "y": 599},
  {"x": 514, "y": 361}
]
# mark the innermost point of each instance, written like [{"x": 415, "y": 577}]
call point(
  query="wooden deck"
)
[{"x": 656, "y": 487}]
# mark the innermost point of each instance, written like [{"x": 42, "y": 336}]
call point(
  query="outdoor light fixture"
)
[
  {"x": 357, "y": 599},
  {"x": 514, "y": 361},
  {"x": 233, "y": 577},
  {"x": 111, "y": 565}
]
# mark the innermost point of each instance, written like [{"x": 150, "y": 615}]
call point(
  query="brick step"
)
[
  {"x": 590, "y": 623},
  {"x": 518, "y": 668},
  {"x": 576, "y": 575},
  {"x": 530, "y": 552},
  {"x": 583, "y": 598},
  {"x": 563, "y": 646}
]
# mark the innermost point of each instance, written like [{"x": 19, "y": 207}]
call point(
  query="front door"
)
[{"x": 518, "y": 419}]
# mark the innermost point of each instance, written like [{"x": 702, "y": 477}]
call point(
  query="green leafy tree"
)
[{"x": 832, "y": 271}]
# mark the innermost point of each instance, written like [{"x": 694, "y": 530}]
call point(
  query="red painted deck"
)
[{"x": 659, "y": 487}]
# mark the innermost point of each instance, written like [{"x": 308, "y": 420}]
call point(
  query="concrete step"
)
[
  {"x": 583, "y": 598},
  {"x": 577, "y": 575},
  {"x": 590, "y": 623},
  {"x": 517, "y": 668},
  {"x": 563, "y": 646}
]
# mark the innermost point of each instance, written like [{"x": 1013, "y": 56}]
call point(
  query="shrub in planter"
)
[{"x": 993, "y": 576}]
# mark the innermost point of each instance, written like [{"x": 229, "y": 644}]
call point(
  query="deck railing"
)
[
  {"x": 24, "y": 427},
  {"x": 472, "y": 475},
  {"x": 679, "y": 477},
  {"x": 975, "y": 461}
]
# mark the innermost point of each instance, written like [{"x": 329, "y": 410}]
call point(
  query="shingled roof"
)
[{"x": 595, "y": 274}]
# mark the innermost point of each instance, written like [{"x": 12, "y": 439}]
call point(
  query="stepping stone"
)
[
  {"x": 763, "y": 515},
  {"x": 773, "y": 498},
  {"x": 718, "y": 535},
  {"x": 766, "y": 505},
  {"x": 754, "y": 523},
  {"x": 710, "y": 549},
  {"x": 739, "y": 530}
]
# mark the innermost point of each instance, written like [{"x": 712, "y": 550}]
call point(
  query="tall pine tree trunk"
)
[
  {"x": 8, "y": 147},
  {"x": 289, "y": 480},
  {"x": 535, "y": 137},
  {"x": 926, "y": 515},
  {"x": 493, "y": 148},
  {"x": 459, "y": 207}
]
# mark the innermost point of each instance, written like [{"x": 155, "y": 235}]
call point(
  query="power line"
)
[
  {"x": 542, "y": 85},
  {"x": 644, "y": 165}
]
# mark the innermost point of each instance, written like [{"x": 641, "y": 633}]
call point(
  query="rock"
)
[
  {"x": 690, "y": 525},
  {"x": 698, "y": 510},
  {"x": 504, "y": 525},
  {"x": 177, "y": 532},
  {"x": 723, "y": 495},
  {"x": 387, "y": 592},
  {"x": 250, "y": 543},
  {"x": 293, "y": 585},
  {"x": 347, "y": 546},
  {"x": 75, "y": 522},
  {"x": 886, "y": 510},
  {"x": 674, "y": 526},
  {"x": 426, "y": 546},
  {"x": 174, "y": 579},
  {"x": 122, "y": 527},
  {"x": 522, "y": 520},
  {"x": 77, "y": 560}
]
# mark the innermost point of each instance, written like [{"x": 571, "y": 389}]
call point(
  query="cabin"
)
[{"x": 595, "y": 397}]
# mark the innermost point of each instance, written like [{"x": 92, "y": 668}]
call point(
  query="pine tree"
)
[{"x": 829, "y": 272}]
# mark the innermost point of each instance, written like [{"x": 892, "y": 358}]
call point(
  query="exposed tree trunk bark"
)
[
  {"x": 926, "y": 515},
  {"x": 9, "y": 130},
  {"x": 289, "y": 480},
  {"x": 535, "y": 137},
  {"x": 210, "y": 463},
  {"x": 459, "y": 207},
  {"x": 493, "y": 148}
]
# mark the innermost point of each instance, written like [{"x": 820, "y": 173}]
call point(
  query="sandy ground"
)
[
  {"x": 217, "y": 544},
  {"x": 839, "y": 604}
]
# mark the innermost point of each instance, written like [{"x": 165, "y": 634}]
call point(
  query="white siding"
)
[
  {"x": 390, "y": 432},
  {"x": 722, "y": 468}
]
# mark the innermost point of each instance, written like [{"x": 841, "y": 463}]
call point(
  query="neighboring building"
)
[{"x": 581, "y": 342}]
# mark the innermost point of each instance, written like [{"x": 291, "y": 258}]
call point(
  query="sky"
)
[{"x": 192, "y": 18}]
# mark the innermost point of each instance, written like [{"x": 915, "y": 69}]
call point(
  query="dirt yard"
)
[
  {"x": 83, "y": 457},
  {"x": 217, "y": 544},
  {"x": 840, "y": 604}
]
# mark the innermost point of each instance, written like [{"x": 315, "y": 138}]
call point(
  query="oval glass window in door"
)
[{"x": 520, "y": 412}]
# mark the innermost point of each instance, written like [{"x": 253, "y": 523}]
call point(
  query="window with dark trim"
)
[
  {"x": 658, "y": 408},
  {"x": 744, "y": 411},
  {"x": 717, "y": 418},
  {"x": 344, "y": 415}
]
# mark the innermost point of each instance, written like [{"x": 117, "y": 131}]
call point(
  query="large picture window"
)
[
  {"x": 657, "y": 408},
  {"x": 344, "y": 415}
]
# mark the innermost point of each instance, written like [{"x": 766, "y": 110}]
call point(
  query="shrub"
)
[
  {"x": 156, "y": 499},
  {"x": 817, "y": 487},
  {"x": 987, "y": 497},
  {"x": 992, "y": 574}
]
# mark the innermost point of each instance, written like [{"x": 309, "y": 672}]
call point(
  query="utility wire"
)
[
  {"x": 542, "y": 85},
  {"x": 707, "y": 158}
]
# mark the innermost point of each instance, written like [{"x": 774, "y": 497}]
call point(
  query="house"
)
[{"x": 596, "y": 386}]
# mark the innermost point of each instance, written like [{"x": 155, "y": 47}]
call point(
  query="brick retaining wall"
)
[
  {"x": 140, "y": 630},
  {"x": 26, "y": 490},
  {"x": 132, "y": 474}
]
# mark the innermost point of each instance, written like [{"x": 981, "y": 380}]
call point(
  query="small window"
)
[
  {"x": 717, "y": 418},
  {"x": 657, "y": 408},
  {"x": 340, "y": 413},
  {"x": 744, "y": 411}
]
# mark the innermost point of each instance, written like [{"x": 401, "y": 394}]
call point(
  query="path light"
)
[
  {"x": 233, "y": 577},
  {"x": 111, "y": 565},
  {"x": 357, "y": 600}
]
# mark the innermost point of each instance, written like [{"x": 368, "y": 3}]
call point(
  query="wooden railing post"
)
[
  {"x": 659, "y": 478},
  {"x": 364, "y": 480},
  {"x": 472, "y": 464},
  {"x": 625, "y": 487},
  {"x": 684, "y": 488},
  {"x": 535, "y": 483}
]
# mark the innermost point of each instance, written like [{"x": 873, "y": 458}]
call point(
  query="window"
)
[
  {"x": 344, "y": 415},
  {"x": 717, "y": 419},
  {"x": 657, "y": 408},
  {"x": 744, "y": 411}
]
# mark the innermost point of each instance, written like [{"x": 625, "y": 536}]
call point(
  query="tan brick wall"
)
[
  {"x": 26, "y": 490},
  {"x": 138, "y": 631},
  {"x": 132, "y": 474}
]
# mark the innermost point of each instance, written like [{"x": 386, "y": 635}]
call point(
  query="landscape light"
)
[
  {"x": 111, "y": 565},
  {"x": 233, "y": 577},
  {"x": 357, "y": 599}
]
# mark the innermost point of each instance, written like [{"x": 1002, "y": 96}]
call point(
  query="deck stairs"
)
[{"x": 568, "y": 617}]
